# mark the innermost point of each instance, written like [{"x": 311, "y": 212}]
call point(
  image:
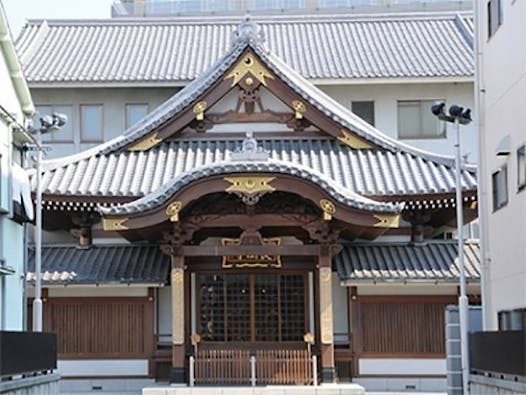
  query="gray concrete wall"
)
[
  {"x": 38, "y": 385},
  {"x": 482, "y": 385}
]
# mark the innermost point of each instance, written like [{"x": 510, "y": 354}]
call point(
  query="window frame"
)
[
  {"x": 499, "y": 17},
  {"x": 442, "y": 125},
  {"x": 127, "y": 124},
  {"x": 501, "y": 172},
  {"x": 365, "y": 101},
  {"x": 252, "y": 281},
  {"x": 83, "y": 139},
  {"x": 521, "y": 168}
]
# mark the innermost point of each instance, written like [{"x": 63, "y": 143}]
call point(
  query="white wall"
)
[
  {"x": 503, "y": 102},
  {"x": 385, "y": 97},
  {"x": 114, "y": 115}
]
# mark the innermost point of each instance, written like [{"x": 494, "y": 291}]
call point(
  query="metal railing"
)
[
  {"x": 498, "y": 353},
  {"x": 27, "y": 352},
  {"x": 262, "y": 367},
  {"x": 149, "y": 8}
]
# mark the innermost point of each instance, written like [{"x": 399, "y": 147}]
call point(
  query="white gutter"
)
[
  {"x": 488, "y": 318},
  {"x": 14, "y": 67}
]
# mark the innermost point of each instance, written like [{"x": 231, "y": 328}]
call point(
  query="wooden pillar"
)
[
  {"x": 356, "y": 331},
  {"x": 328, "y": 371},
  {"x": 177, "y": 371}
]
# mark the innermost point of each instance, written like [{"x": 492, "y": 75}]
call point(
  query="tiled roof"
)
[
  {"x": 175, "y": 51},
  {"x": 102, "y": 264},
  {"x": 370, "y": 172},
  {"x": 430, "y": 261},
  {"x": 336, "y": 191},
  {"x": 145, "y": 264}
]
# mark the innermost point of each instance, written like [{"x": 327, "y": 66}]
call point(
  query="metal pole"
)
[
  {"x": 192, "y": 371},
  {"x": 314, "y": 371},
  {"x": 253, "y": 371},
  {"x": 37, "y": 302},
  {"x": 462, "y": 299}
]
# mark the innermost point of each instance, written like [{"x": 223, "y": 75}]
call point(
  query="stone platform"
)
[{"x": 324, "y": 389}]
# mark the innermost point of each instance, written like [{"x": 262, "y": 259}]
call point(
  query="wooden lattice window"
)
[{"x": 252, "y": 308}]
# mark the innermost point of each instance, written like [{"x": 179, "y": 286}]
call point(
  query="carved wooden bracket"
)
[{"x": 323, "y": 232}]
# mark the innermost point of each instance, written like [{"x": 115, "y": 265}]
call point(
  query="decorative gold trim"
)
[
  {"x": 251, "y": 261},
  {"x": 387, "y": 220},
  {"x": 199, "y": 110},
  {"x": 249, "y": 184},
  {"x": 249, "y": 64},
  {"x": 353, "y": 141},
  {"x": 173, "y": 209},
  {"x": 177, "y": 277},
  {"x": 146, "y": 143},
  {"x": 328, "y": 209},
  {"x": 114, "y": 223},
  {"x": 326, "y": 321},
  {"x": 299, "y": 108}
]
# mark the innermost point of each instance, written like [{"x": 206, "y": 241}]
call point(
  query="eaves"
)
[{"x": 317, "y": 81}]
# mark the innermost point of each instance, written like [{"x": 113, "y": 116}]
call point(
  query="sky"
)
[{"x": 18, "y": 11}]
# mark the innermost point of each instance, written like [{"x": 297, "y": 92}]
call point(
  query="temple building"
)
[{"x": 252, "y": 217}]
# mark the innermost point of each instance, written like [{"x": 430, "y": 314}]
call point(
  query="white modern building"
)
[
  {"x": 501, "y": 89},
  {"x": 16, "y": 109}
]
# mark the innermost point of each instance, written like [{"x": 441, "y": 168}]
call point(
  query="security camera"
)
[
  {"x": 455, "y": 111},
  {"x": 46, "y": 121},
  {"x": 59, "y": 119},
  {"x": 438, "y": 108}
]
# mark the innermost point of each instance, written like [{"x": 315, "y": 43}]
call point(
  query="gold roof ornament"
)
[
  {"x": 353, "y": 141},
  {"x": 299, "y": 108},
  {"x": 250, "y": 184},
  {"x": 146, "y": 143},
  {"x": 110, "y": 224},
  {"x": 173, "y": 209},
  {"x": 328, "y": 209},
  {"x": 249, "y": 64},
  {"x": 199, "y": 110},
  {"x": 387, "y": 220}
]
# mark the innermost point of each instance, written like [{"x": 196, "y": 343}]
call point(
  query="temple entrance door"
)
[
  {"x": 252, "y": 308},
  {"x": 258, "y": 316}
]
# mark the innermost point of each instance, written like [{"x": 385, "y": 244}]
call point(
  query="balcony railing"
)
[
  {"x": 498, "y": 353},
  {"x": 27, "y": 353},
  {"x": 149, "y": 8}
]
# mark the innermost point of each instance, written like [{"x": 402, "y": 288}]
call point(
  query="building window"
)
[
  {"x": 91, "y": 122},
  {"x": 364, "y": 109},
  {"x": 252, "y": 307},
  {"x": 65, "y": 133},
  {"x": 134, "y": 113},
  {"x": 276, "y": 4},
  {"x": 500, "y": 188},
  {"x": 494, "y": 16},
  {"x": 521, "y": 168},
  {"x": 512, "y": 320},
  {"x": 335, "y": 3},
  {"x": 415, "y": 120}
]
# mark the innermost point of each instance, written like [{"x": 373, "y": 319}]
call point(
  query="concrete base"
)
[
  {"x": 324, "y": 389},
  {"x": 484, "y": 385},
  {"x": 328, "y": 375},
  {"x": 103, "y": 386},
  {"x": 37, "y": 385},
  {"x": 177, "y": 375}
]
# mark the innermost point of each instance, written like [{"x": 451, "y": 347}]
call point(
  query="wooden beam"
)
[{"x": 293, "y": 250}]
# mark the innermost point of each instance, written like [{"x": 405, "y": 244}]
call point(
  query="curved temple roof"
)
[
  {"x": 167, "y": 191},
  {"x": 169, "y": 51},
  {"x": 389, "y": 168}
]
